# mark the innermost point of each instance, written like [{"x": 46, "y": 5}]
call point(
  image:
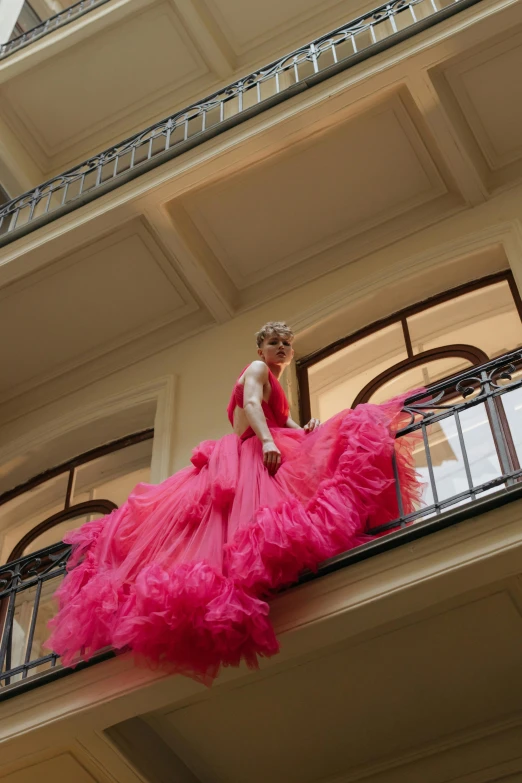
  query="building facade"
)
[{"x": 174, "y": 173}]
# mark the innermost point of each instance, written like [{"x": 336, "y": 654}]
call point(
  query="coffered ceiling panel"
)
[
  {"x": 360, "y": 704},
  {"x": 487, "y": 86},
  {"x": 64, "y": 767},
  {"x": 339, "y": 184},
  {"x": 80, "y": 98},
  {"x": 104, "y": 295},
  {"x": 249, "y": 23}
]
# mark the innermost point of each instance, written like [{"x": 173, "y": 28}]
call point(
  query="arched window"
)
[
  {"x": 41, "y": 511},
  {"x": 421, "y": 346},
  {"x": 36, "y": 515},
  {"x": 415, "y": 347}
]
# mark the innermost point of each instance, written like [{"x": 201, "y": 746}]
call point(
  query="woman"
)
[{"x": 180, "y": 572}]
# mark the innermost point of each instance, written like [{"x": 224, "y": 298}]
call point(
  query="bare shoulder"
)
[{"x": 256, "y": 371}]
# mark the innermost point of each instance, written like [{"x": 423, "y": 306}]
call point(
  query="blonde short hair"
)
[{"x": 273, "y": 327}]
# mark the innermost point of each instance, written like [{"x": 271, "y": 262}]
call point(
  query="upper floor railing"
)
[
  {"x": 48, "y": 26},
  {"x": 373, "y": 32},
  {"x": 468, "y": 455}
]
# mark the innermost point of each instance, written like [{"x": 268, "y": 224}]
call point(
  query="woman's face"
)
[{"x": 277, "y": 349}]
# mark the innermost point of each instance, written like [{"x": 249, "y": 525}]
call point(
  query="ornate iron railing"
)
[
  {"x": 49, "y": 25},
  {"x": 469, "y": 438},
  {"x": 361, "y": 38},
  {"x": 26, "y": 589},
  {"x": 469, "y": 447}
]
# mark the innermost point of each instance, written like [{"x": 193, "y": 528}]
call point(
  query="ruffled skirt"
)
[{"x": 180, "y": 572}]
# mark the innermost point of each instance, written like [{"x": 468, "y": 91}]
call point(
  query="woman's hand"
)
[
  {"x": 312, "y": 425},
  {"x": 271, "y": 457}
]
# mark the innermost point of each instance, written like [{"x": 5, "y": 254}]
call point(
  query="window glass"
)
[
  {"x": 113, "y": 476},
  {"x": 24, "y": 611},
  {"x": 335, "y": 381},
  {"x": 486, "y": 318},
  {"x": 110, "y": 477},
  {"x": 447, "y": 460},
  {"x": 417, "y": 377},
  {"x": 24, "y": 512},
  {"x": 26, "y": 21},
  {"x": 56, "y": 533}
]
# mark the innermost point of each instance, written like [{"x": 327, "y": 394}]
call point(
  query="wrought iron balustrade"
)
[
  {"x": 336, "y": 51},
  {"x": 48, "y": 26},
  {"x": 469, "y": 431},
  {"x": 469, "y": 447},
  {"x": 26, "y": 589}
]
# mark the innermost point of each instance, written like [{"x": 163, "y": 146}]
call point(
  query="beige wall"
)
[{"x": 202, "y": 369}]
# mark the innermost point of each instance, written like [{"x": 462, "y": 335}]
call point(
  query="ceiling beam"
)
[
  {"x": 448, "y": 140},
  {"x": 208, "y": 37},
  {"x": 194, "y": 260},
  {"x": 18, "y": 171},
  {"x": 146, "y": 752}
]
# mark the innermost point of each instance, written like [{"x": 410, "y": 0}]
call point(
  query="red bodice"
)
[{"x": 276, "y": 410}]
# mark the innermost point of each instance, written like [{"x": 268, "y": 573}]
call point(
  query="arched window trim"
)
[
  {"x": 470, "y": 352},
  {"x": 401, "y": 316},
  {"x": 79, "y": 510},
  {"x": 99, "y": 506}
]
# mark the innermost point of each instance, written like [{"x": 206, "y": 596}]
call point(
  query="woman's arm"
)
[
  {"x": 255, "y": 378},
  {"x": 312, "y": 425}
]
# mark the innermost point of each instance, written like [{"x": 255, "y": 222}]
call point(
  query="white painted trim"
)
[
  {"x": 95, "y": 751},
  {"x": 513, "y": 249},
  {"x": 349, "y": 604},
  {"x": 159, "y": 391},
  {"x": 463, "y": 743},
  {"x": 163, "y": 444},
  {"x": 508, "y": 234}
]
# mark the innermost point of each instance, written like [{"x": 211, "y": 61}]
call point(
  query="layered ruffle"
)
[
  {"x": 178, "y": 574},
  {"x": 192, "y": 620},
  {"x": 281, "y": 541}
]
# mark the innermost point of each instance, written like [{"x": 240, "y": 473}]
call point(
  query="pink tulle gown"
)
[{"x": 180, "y": 572}]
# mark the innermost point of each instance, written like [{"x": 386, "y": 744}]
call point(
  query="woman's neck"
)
[{"x": 276, "y": 370}]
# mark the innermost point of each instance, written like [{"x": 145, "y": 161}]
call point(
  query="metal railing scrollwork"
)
[
  {"x": 26, "y": 589},
  {"x": 373, "y": 32},
  {"x": 48, "y": 26},
  {"x": 469, "y": 431},
  {"x": 469, "y": 445}
]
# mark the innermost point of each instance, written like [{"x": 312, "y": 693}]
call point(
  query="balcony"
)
[
  {"x": 363, "y": 37},
  {"x": 30, "y": 28},
  {"x": 401, "y": 125},
  {"x": 469, "y": 445}
]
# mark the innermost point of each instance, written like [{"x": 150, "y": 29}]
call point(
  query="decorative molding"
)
[
  {"x": 187, "y": 310},
  {"x": 173, "y": 228},
  {"x": 458, "y": 742},
  {"x": 490, "y": 544},
  {"x": 208, "y": 37},
  {"x": 163, "y": 444},
  {"x": 468, "y": 180},
  {"x": 71, "y": 379},
  {"x": 159, "y": 391},
  {"x": 96, "y": 751},
  {"x": 352, "y": 603},
  {"x": 105, "y": 131},
  {"x": 508, "y": 234},
  {"x": 455, "y": 74},
  {"x": 390, "y": 108}
]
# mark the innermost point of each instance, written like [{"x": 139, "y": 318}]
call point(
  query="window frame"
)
[
  {"x": 457, "y": 350},
  {"x": 97, "y": 506}
]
